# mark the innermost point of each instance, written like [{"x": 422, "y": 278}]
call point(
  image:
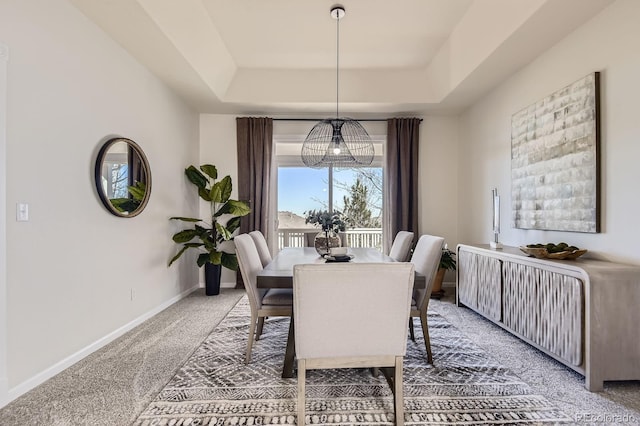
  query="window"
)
[
  {"x": 115, "y": 174},
  {"x": 356, "y": 193}
]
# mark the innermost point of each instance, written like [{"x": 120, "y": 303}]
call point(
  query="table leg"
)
[{"x": 290, "y": 353}]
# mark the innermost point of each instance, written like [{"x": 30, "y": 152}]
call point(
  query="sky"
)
[{"x": 301, "y": 188}]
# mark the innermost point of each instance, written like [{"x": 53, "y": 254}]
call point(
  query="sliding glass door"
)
[{"x": 355, "y": 193}]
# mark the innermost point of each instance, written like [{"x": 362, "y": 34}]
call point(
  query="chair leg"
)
[
  {"x": 252, "y": 329},
  {"x": 398, "y": 394},
  {"x": 427, "y": 341},
  {"x": 302, "y": 373},
  {"x": 260, "y": 325},
  {"x": 411, "y": 333}
]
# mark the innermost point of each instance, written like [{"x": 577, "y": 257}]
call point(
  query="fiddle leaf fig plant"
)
[
  {"x": 127, "y": 205},
  {"x": 205, "y": 236}
]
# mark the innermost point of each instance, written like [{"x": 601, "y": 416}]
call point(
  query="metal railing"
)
[{"x": 356, "y": 237}]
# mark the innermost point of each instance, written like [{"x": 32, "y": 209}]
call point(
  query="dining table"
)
[{"x": 279, "y": 274}]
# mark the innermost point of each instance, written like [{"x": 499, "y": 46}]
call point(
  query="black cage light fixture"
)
[{"x": 340, "y": 141}]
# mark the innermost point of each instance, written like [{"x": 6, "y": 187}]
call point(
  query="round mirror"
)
[{"x": 123, "y": 177}]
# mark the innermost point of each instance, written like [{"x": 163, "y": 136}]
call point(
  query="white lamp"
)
[{"x": 495, "y": 201}]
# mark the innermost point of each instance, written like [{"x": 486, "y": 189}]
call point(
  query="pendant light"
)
[{"x": 339, "y": 141}]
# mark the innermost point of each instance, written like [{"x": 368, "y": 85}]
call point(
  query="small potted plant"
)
[
  {"x": 331, "y": 223},
  {"x": 210, "y": 235},
  {"x": 447, "y": 262}
]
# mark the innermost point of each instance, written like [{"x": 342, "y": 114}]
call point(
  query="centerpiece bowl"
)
[{"x": 561, "y": 254}]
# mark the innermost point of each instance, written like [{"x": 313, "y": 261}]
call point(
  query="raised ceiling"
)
[{"x": 279, "y": 56}]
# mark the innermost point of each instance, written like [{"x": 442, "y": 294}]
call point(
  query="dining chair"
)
[
  {"x": 425, "y": 258},
  {"x": 352, "y": 316},
  {"x": 262, "y": 246},
  {"x": 401, "y": 246},
  {"x": 263, "y": 302}
]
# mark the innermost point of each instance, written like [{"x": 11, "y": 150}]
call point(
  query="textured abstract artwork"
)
[{"x": 554, "y": 160}]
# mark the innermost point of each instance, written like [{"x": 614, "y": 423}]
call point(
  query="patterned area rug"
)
[{"x": 465, "y": 386}]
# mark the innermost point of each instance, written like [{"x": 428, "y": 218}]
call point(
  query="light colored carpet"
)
[
  {"x": 619, "y": 403},
  {"x": 112, "y": 385},
  {"x": 215, "y": 387},
  {"x": 115, "y": 384}
]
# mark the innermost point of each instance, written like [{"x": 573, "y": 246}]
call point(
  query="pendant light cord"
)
[
  {"x": 341, "y": 142},
  {"x": 337, "y": 62}
]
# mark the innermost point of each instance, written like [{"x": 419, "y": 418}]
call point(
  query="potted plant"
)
[
  {"x": 131, "y": 204},
  {"x": 331, "y": 223},
  {"x": 447, "y": 262},
  {"x": 209, "y": 236}
]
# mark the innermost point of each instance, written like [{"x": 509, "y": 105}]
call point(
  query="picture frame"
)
[{"x": 555, "y": 160}]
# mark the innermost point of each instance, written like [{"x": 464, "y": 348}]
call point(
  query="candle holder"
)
[{"x": 495, "y": 202}]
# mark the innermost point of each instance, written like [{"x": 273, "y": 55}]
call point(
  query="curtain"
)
[
  {"x": 136, "y": 168},
  {"x": 401, "y": 178},
  {"x": 255, "y": 146}
]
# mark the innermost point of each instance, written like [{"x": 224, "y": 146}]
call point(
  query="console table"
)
[{"x": 584, "y": 313}]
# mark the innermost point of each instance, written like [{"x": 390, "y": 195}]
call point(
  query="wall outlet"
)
[{"x": 133, "y": 294}]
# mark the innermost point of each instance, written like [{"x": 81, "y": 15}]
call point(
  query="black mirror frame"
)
[{"x": 98, "y": 177}]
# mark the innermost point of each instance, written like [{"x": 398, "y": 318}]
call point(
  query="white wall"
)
[
  {"x": 439, "y": 178},
  {"x": 4, "y": 56},
  {"x": 607, "y": 43},
  {"x": 218, "y": 146},
  {"x": 72, "y": 267}
]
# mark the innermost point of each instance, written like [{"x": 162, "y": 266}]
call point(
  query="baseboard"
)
[
  {"x": 45, "y": 375},
  {"x": 4, "y": 393},
  {"x": 222, "y": 285}
]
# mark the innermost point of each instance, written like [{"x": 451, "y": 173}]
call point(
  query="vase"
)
[
  {"x": 212, "y": 279},
  {"x": 325, "y": 240}
]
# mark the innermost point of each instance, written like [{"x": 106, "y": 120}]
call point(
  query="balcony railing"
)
[{"x": 356, "y": 237}]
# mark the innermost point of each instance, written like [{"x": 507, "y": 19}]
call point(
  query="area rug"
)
[{"x": 464, "y": 386}]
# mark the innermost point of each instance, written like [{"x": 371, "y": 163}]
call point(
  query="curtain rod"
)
[{"x": 320, "y": 119}]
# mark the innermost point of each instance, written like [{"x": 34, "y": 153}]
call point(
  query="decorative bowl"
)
[{"x": 542, "y": 253}]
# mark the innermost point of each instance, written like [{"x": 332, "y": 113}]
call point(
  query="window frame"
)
[{"x": 290, "y": 146}]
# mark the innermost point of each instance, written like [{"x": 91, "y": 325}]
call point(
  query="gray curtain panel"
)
[
  {"x": 401, "y": 180},
  {"x": 136, "y": 169},
  {"x": 255, "y": 147}
]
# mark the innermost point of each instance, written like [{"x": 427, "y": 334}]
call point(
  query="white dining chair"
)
[
  {"x": 263, "y": 302},
  {"x": 401, "y": 246},
  {"x": 262, "y": 246},
  {"x": 352, "y": 316},
  {"x": 426, "y": 258}
]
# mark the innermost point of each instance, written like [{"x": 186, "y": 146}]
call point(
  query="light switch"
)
[{"x": 22, "y": 212}]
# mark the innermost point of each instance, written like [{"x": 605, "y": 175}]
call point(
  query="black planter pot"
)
[{"x": 212, "y": 279}]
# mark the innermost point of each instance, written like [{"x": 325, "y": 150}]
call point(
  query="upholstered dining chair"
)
[
  {"x": 401, "y": 246},
  {"x": 263, "y": 302},
  {"x": 352, "y": 316},
  {"x": 426, "y": 258},
  {"x": 262, "y": 246}
]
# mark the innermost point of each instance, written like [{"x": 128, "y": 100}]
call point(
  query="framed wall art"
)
[{"x": 555, "y": 171}]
